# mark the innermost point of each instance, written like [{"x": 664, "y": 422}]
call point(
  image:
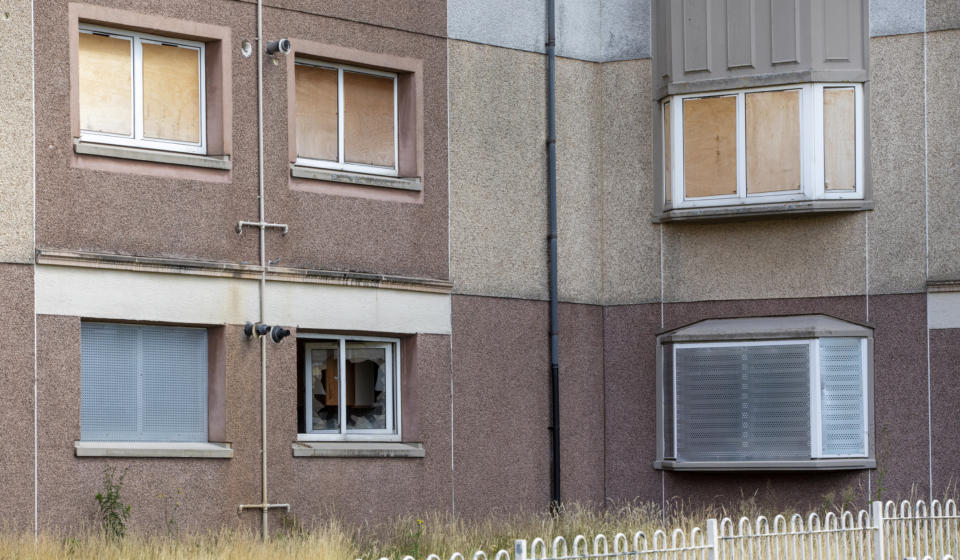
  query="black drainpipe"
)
[{"x": 552, "y": 238}]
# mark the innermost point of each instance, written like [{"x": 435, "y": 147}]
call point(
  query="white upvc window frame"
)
[
  {"x": 341, "y": 164},
  {"x": 137, "y": 139},
  {"x": 816, "y": 428},
  {"x": 393, "y": 429},
  {"x": 812, "y": 145}
]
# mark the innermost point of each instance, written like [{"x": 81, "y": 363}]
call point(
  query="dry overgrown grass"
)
[{"x": 438, "y": 533}]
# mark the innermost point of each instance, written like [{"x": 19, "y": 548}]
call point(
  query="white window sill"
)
[
  {"x": 811, "y": 465},
  {"x": 83, "y": 147},
  {"x": 332, "y": 175},
  {"x": 133, "y": 449},
  {"x": 721, "y": 213},
  {"x": 358, "y": 449}
]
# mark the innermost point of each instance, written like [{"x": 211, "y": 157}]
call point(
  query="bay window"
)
[
  {"x": 800, "y": 142},
  {"x": 767, "y": 393}
]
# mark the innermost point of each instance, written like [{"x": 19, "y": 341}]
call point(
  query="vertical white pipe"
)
[
  {"x": 263, "y": 277},
  {"x": 926, "y": 252},
  {"x": 36, "y": 432}
]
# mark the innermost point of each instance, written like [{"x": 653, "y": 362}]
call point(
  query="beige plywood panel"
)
[
  {"x": 710, "y": 146},
  {"x": 171, "y": 93},
  {"x": 368, "y": 119},
  {"x": 773, "y": 141},
  {"x": 106, "y": 77},
  {"x": 317, "y": 113},
  {"x": 667, "y": 177},
  {"x": 839, "y": 139}
]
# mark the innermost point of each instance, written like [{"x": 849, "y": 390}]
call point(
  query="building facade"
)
[{"x": 401, "y": 195}]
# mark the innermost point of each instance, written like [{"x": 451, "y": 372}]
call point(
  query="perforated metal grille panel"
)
[
  {"x": 742, "y": 403},
  {"x": 143, "y": 383},
  {"x": 841, "y": 397}
]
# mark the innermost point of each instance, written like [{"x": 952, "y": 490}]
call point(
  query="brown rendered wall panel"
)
[
  {"x": 390, "y": 232},
  {"x": 945, "y": 394},
  {"x": 16, "y": 398},
  {"x": 210, "y": 489}
]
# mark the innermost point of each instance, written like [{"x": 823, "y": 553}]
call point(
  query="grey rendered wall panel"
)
[
  {"x": 896, "y": 17},
  {"x": 943, "y": 159},
  {"x": 896, "y": 241},
  {"x": 593, "y": 30},
  {"x": 16, "y": 134},
  {"x": 498, "y": 210}
]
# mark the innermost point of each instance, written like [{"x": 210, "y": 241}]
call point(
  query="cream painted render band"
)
[
  {"x": 147, "y": 296},
  {"x": 943, "y": 310}
]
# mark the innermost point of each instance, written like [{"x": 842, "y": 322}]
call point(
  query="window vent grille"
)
[{"x": 143, "y": 383}]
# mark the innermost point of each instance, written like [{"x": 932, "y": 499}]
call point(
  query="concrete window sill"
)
[
  {"x": 812, "y": 465},
  {"x": 332, "y": 175},
  {"x": 134, "y": 449},
  {"x": 358, "y": 449},
  {"x": 152, "y": 156},
  {"x": 748, "y": 211}
]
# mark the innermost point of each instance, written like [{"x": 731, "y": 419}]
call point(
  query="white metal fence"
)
[{"x": 887, "y": 531}]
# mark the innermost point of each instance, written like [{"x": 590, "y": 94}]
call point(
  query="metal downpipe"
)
[
  {"x": 552, "y": 239},
  {"x": 263, "y": 280}
]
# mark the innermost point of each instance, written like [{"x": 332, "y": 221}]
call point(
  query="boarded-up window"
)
[
  {"x": 839, "y": 139},
  {"x": 171, "y": 92},
  {"x": 106, "y": 84},
  {"x": 368, "y": 119},
  {"x": 144, "y": 91},
  {"x": 710, "y": 146},
  {"x": 773, "y": 141},
  {"x": 317, "y": 134},
  {"x": 667, "y": 178}
]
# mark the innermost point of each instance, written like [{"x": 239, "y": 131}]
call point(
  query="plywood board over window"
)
[
  {"x": 710, "y": 146},
  {"x": 317, "y": 134},
  {"x": 171, "y": 92},
  {"x": 106, "y": 84},
  {"x": 773, "y": 141},
  {"x": 368, "y": 119},
  {"x": 667, "y": 154},
  {"x": 839, "y": 139}
]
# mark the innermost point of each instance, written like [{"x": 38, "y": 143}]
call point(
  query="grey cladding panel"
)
[
  {"x": 740, "y": 33},
  {"x": 696, "y": 35},
  {"x": 836, "y": 41},
  {"x": 710, "y": 45},
  {"x": 783, "y": 30}
]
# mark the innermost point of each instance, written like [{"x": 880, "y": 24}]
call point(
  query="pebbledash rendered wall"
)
[
  {"x": 637, "y": 277},
  {"x": 476, "y": 376}
]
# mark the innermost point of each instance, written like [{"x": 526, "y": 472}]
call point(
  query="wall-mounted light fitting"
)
[
  {"x": 282, "y": 46},
  {"x": 279, "y": 333}
]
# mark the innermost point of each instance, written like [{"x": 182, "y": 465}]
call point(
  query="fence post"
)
[
  {"x": 520, "y": 549},
  {"x": 713, "y": 540},
  {"x": 879, "y": 542}
]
